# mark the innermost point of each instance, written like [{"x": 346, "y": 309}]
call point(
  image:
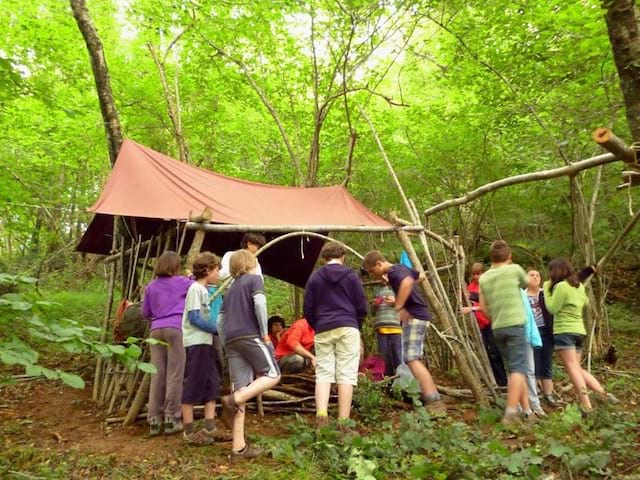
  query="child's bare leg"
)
[
  {"x": 238, "y": 427},
  {"x": 187, "y": 413},
  {"x": 209, "y": 410},
  {"x": 547, "y": 386},
  {"x": 255, "y": 388},
  {"x": 574, "y": 370},
  {"x": 345, "y": 396},
  {"x": 591, "y": 381},
  {"x": 517, "y": 391},
  {"x": 423, "y": 377},
  {"x": 323, "y": 390}
]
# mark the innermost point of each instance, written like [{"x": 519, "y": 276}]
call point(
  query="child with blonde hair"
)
[{"x": 252, "y": 365}]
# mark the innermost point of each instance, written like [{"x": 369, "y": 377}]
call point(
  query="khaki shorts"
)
[{"x": 338, "y": 355}]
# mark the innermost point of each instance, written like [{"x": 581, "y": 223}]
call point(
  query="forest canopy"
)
[{"x": 461, "y": 93}]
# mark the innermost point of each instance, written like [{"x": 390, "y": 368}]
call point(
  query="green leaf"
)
[
  {"x": 558, "y": 450},
  {"x": 72, "y": 379},
  {"x": 133, "y": 351},
  {"x": 147, "y": 367},
  {"x": 117, "y": 349},
  {"x": 33, "y": 370}
]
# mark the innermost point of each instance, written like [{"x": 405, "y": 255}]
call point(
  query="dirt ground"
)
[{"x": 59, "y": 419}]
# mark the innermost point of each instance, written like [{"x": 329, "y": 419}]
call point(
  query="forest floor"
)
[{"x": 51, "y": 431}]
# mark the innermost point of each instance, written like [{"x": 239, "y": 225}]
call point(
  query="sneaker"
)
[
  {"x": 155, "y": 426},
  {"x": 248, "y": 452},
  {"x": 172, "y": 425},
  {"x": 611, "y": 398},
  {"x": 198, "y": 439},
  {"x": 228, "y": 403},
  {"x": 531, "y": 417},
  {"x": 436, "y": 407},
  {"x": 550, "y": 401},
  {"x": 218, "y": 435},
  {"x": 538, "y": 411},
  {"x": 511, "y": 419}
]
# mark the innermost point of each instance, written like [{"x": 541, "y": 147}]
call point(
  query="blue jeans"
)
[
  {"x": 512, "y": 344},
  {"x": 390, "y": 349}
]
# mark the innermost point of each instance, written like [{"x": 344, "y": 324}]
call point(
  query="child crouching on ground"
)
[
  {"x": 252, "y": 365},
  {"x": 201, "y": 376}
]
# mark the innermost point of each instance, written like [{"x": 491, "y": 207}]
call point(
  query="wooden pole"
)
[
  {"x": 616, "y": 243},
  {"x": 138, "y": 401},
  {"x": 608, "y": 140},
  {"x": 219, "y": 227},
  {"x": 394, "y": 177},
  {"x": 198, "y": 238},
  {"x": 568, "y": 170},
  {"x": 97, "y": 379}
]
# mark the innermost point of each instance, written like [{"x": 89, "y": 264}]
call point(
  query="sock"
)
[
  {"x": 510, "y": 410},
  {"x": 188, "y": 428},
  {"x": 528, "y": 411},
  {"x": 322, "y": 413},
  {"x": 210, "y": 424}
]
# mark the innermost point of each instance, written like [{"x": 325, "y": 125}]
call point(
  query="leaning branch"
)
[
  {"x": 568, "y": 170},
  {"x": 614, "y": 246}
]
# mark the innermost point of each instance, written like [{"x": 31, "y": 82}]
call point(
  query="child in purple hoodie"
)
[
  {"x": 334, "y": 306},
  {"x": 164, "y": 303}
]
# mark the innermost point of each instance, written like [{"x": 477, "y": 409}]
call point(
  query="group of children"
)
[
  {"x": 514, "y": 314},
  {"x": 524, "y": 324},
  {"x": 185, "y": 352}
]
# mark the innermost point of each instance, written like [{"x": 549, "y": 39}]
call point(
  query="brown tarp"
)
[
  {"x": 152, "y": 191},
  {"x": 145, "y": 183}
]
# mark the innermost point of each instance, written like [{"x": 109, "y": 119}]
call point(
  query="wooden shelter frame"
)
[{"x": 125, "y": 391}]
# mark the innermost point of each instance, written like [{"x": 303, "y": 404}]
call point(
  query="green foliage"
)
[
  {"x": 27, "y": 326},
  {"x": 420, "y": 447}
]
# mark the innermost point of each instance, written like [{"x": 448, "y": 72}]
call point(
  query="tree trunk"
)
[
  {"x": 624, "y": 33},
  {"x": 101, "y": 76}
]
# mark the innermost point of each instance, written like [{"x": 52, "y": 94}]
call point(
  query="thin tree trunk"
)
[
  {"x": 173, "y": 108},
  {"x": 101, "y": 75}
]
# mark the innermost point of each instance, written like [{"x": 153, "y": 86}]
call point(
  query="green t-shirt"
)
[
  {"x": 501, "y": 288},
  {"x": 566, "y": 304}
]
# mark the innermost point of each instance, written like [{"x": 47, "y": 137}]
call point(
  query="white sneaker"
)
[{"x": 539, "y": 411}]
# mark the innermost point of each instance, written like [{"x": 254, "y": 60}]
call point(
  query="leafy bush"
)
[
  {"x": 27, "y": 325},
  {"x": 419, "y": 446}
]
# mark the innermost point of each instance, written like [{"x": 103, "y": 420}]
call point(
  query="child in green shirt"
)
[
  {"x": 501, "y": 301},
  {"x": 565, "y": 298}
]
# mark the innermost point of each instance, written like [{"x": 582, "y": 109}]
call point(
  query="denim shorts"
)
[
  {"x": 566, "y": 341},
  {"x": 512, "y": 344}
]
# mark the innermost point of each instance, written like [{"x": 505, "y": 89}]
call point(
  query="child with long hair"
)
[
  {"x": 164, "y": 303},
  {"x": 565, "y": 297}
]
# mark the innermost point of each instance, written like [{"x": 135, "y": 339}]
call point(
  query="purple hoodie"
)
[
  {"x": 164, "y": 301},
  {"x": 334, "y": 298}
]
